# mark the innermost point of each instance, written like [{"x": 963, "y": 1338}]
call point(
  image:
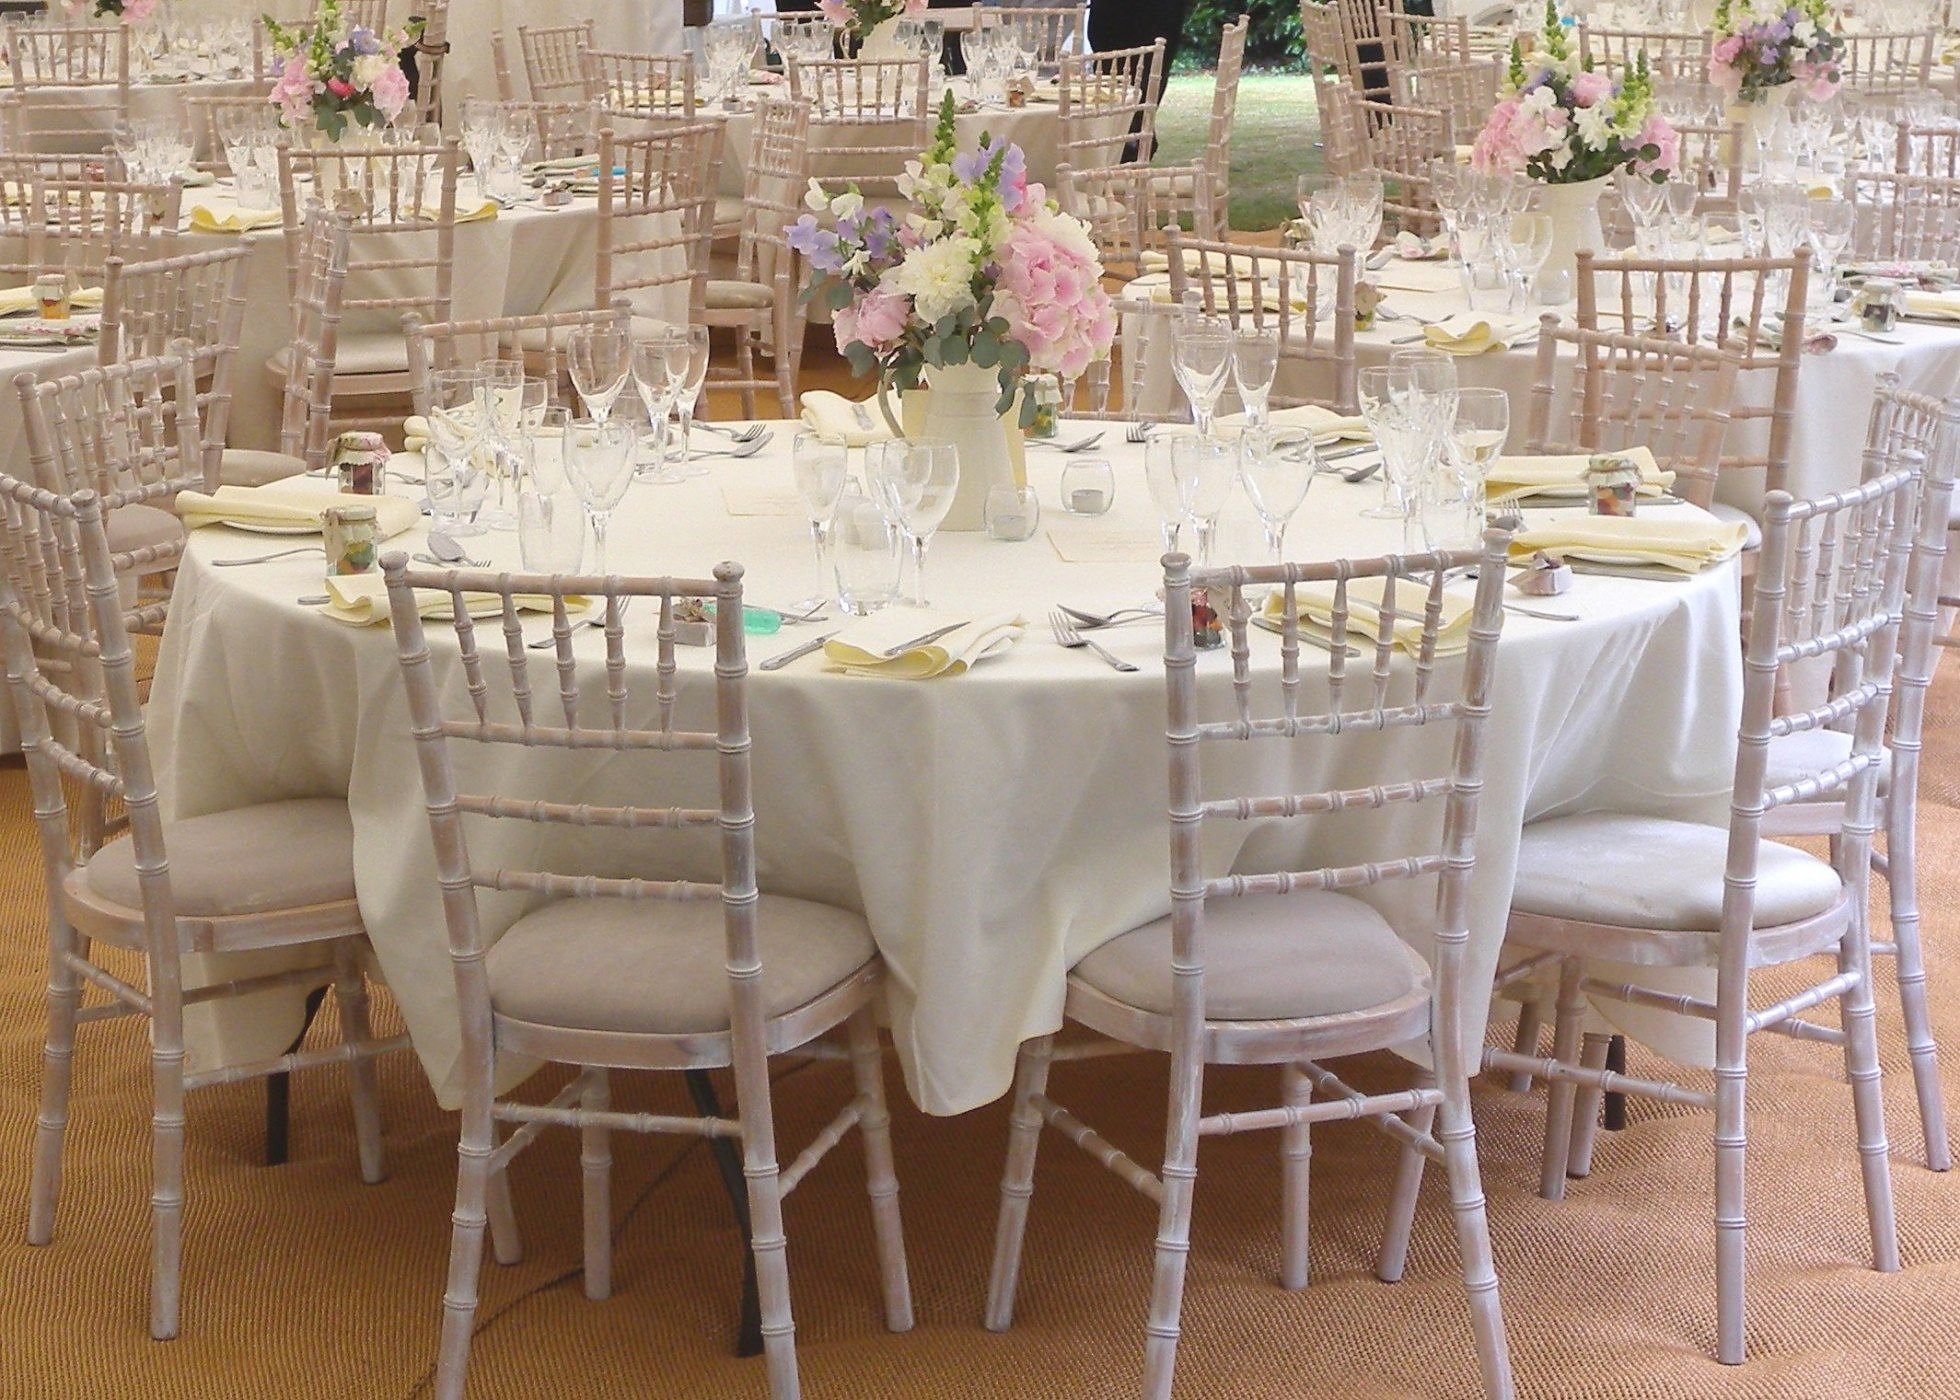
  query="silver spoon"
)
[
  {"x": 445, "y": 550},
  {"x": 746, "y": 449}
]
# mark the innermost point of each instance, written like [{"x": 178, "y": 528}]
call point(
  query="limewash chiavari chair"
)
[
  {"x": 1831, "y": 585},
  {"x": 76, "y": 221},
  {"x": 1928, "y": 150},
  {"x": 203, "y": 113},
  {"x": 1901, "y": 62},
  {"x": 1905, "y": 218},
  {"x": 276, "y": 875},
  {"x": 867, "y": 119},
  {"x": 91, "y": 62},
  {"x": 1057, "y": 29},
  {"x": 1288, "y": 969},
  {"x": 542, "y": 341},
  {"x": 1463, "y": 92},
  {"x": 1217, "y": 159},
  {"x": 1138, "y": 368},
  {"x": 306, "y": 390},
  {"x": 1711, "y": 155},
  {"x": 1108, "y": 112},
  {"x": 553, "y": 67},
  {"x": 431, "y": 49},
  {"x": 1324, "y": 42},
  {"x": 1674, "y": 56},
  {"x": 1343, "y": 143},
  {"x": 400, "y": 253},
  {"x": 1128, "y": 207},
  {"x": 656, "y": 218},
  {"x": 759, "y": 304},
  {"x": 562, "y": 128},
  {"x": 622, "y": 972},
  {"x": 371, "y": 15},
  {"x": 1365, "y": 43},
  {"x": 1423, "y": 41},
  {"x": 1289, "y": 291},
  {"x": 1402, "y": 143},
  {"x": 500, "y": 67},
  {"x": 654, "y": 86}
]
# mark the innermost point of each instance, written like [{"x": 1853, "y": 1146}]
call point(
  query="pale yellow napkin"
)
[
  {"x": 1327, "y": 426},
  {"x": 1315, "y": 605},
  {"x": 1933, "y": 306},
  {"x": 1470, "y": 333},
  {"x": 361, "y": 600},
  {"x": 1267, "y": 294},
  {"x": 839, "y": 419},
  {"x": 1518, "y": 478},
  {"x": 282, "y": 506},
  {"x": 1152, "y": 261},
  {"x": 1685, "y": 546},
  {"x": 14, "y": 300},
  {"x": 859, "y": 649},
  {"x": 203, "y": 220}
]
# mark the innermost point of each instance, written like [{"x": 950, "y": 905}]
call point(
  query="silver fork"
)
[
  {"x": 1081, "y": 444},
  {"x": 748, "y": 434},
  {"x": 1067, "y": 636},
  {"x": 263, "y": 558},
  {"x": 1138, "y": 433}
]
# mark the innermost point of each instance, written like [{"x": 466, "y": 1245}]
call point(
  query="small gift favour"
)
[
  {"x": 1542, "y": 576},
  {"x": 1367, "y": 297},
  {"x": 1207, "y": 628},
  {"x": 51, "y": 295},
  {"x": 693, "y": 626},
  {"x": 352, "y": 535},
  {"x": 359, "y": 460},
  {"x": 1878, "y": 304},
  {"x": 1612, "y": 482},
  {"x": 557, "y": 195},
  {"x": 1045, "y": 404}
]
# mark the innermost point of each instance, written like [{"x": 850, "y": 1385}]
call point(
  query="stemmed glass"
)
[
  {"x": 1255, "y": 360},
  {"x": 1452, "y": 499},
  {"x": 819, "y": 465},
  {"x": 1387, "y": 393},
  {"x": 656, "y": 390},
  {"x": 543, "y": 451},
  {"x": 1527, "y": 242},
  {"x": 1277, "y": 466},
  {"x": 1831, "y": 225},
  {"x": 684, "y": 357},
  {"x": 916, "y": 482},
  {"x": 599, "y": 464},
  {"x": 1201, "y": 355},
  {"x": 500, "y": 400},
  {"x": 599, "y": 358},
  {"x": 1160, "y": 475},
  {"x": 1203, "y": 469},
  {"x": 456, "y": 431},
  {"x": 482, "y": 128}
]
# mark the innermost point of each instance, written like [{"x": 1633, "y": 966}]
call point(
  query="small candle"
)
[
  {"x": 51, "y": 291},
  {"x": 1086, "y": 500}
]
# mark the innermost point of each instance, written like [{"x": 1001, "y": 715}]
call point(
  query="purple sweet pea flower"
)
[
  {"x": 362, "y": 41},
  {"x": 818, "y": 244}
]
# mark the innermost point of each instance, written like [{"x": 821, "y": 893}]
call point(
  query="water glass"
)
[
  {"x": 819, "y": 466},
  {"x": 1255, "y": 362},
  {"x": 916, "y": 481},
  {"x": 599, "y": 358},
  {"x": 863, "y": 555},
  {"x": 550, "y": 532},
  {"x": 1277, "y": 466},
  {"x": 1160, "y": 476},
  {"x": 1201, "y": 355},
  {"x": 1203, "y": 469},
  {"x": 599, "y": 464}
]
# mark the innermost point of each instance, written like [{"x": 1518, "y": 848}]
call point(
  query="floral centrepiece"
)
[
  {"x": 1761, "y": 45},
  {"x": 128, "y": 11},
  {"x": 335, "y": 74},
  {"x": 863, "y": 16},
  {"x": 981, "y": 269},
  {"x": 1560, "y": 121}
]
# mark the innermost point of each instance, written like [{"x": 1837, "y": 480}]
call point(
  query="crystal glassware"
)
[
  {"x": 599, "y": 465},
  {"x": 599, "y": 358},
  {"x": 916, "y": 481},
  {"x": 819, "y": 466},
  {"x": 1277, "y": 466},
  {"x": 1204, "y": 470}
]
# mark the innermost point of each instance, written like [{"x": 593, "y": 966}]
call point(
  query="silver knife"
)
[
  {"x": 890, "y": 652},
  {"x": 776, "y": 663}
]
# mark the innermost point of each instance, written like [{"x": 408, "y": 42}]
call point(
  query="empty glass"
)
[
  {"x": 1277, "y": 466},
  {"x": 1527, "y": 243},
  {"x": 1160, "y": 475},
  {"x": 1201, "y": 355},
  {"x": 599, "y": 358},
  {"x": 863, "y": 555},
  {"x": 684, "y": 356},
  {"x": 542, "y": 450},
  {"x": 916, "y": 482},
  {"x": 1255, "y": 361},
  {"x": 550, "y": 532},
  {"x": 500, "y": 396},
  {"x": 456, "y": 484},
  {"x": 819, "y": 467},
  {"x": 1203, "y": 469},
  {"x": 1387, "y": 394},
  {"x": 599, "y": 464}
]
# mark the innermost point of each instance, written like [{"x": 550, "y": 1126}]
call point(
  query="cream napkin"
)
[
  {"x": 1412, "y": 247},
  {"x": 859, "y": 649},
  {"x": 284, "y": 506},
  {"x": 1468, "y": 333},
  {"x": 1315, "y": 604},
  {"x": 15, "y": 300},
  {"x": 1684, "y": 546},
  {"x": 486, "y": 210},
  {"x": 203, "y": 220},
  {"x": 1327, "y": 426},
  {"x": 361, "y": 600},
  {"x": 1933, "y": 306},
  {"x": 1517, "y": 478},
  {"x": 1152, "y": 261},
  {"x": 853, "y": 423}
]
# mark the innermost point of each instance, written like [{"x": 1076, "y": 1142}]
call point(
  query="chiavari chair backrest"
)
[
  {"x": 539, "y": 700},
  {"x": 1900, "y": 62},
  {"x": 1623, "y": 391},
  {"x": 1905, "y": 218},
  {"x": 1711, "y": 155},
  {"x": 204, "y": 117},
  {"x": 1054, "y": 29},
  {"x": 1343, "y": 141},
  {"x": 1401, "y": 144},
  {"x": 431, "y": 50},
  {"x": 656, "y": 216},
  {"x": 371, "y": 15},
  {"x": 541, "y": 341},
  {"x": 1463, "y": 92},
  {"x": 1136, "y": 372},
  {"x": 1128, "y": 207},
  {"x": 1929, "y": 150},
  {"x": 91, "y": 62},
  {"x": 1305, "y": 300},
  {"x": 501, "y": 69},
  {"x": 553, "y": 67},
  {"x": 191, "y": 299},
  {"x": 772, "y": 198},
  {"x": 1341, "y": 719},
  {"x": 1224, "y": 109},
  {"x": 400, "y": 207},
  {"x": 1424, "y": 41},
  {"x": 319, "y": 275},
  {"x": 649, "y": 85},
  {"x": 77, "y": 222},
  {"x": 1324, "y": 41},
  {"x": 563, "y": 128},
  {"x": 1671, "y": 55},
  {"x": 1108, "y": 108},
  {"x": 1361, "y": 37},
  {"x": 867, "y": 118}
]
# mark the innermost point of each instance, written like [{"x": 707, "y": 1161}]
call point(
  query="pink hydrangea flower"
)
[
  {"x": 390, "y": 92},
  {"x": 1050, "y": 293},
  {"x": 1819, "y": 81},
  {"x": 137, "y": 11},
  {"x": 294, "y": 90},
  {"x": 1497, "y": 147},
  {"x": 1590, "y": 89},
  {"x": 1659, "y": 134}
]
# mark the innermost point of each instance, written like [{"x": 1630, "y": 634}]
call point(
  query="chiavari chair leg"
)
[
  {"x": 1585, "y": 1109},
  {"x": 1017, "y": 1181},
  {"x": 595, "y": 1160},
  {"x": 1531, "y": 1020},
  {"x": 1561, "y": 1093},
  {"x": 767, "y": 1241},
  {"x": 506, "y": 1241},
  {"x": 1180, "y": 1175},
  {"x": 1296, "y": 1156},
  {"x": 350, "y": 996},
  {"x": 1394, "y": 1256},
  {"x": 1909, "y": 966},
  {"x": 1458, "y": 1138},
  {"x": 476, "y": 1142},
  {"x": 1861, "y": 1065},
  {"x": 1731, "y": 1162},
  {"x": 167, "y": 1167},
  {"x": 57, "y": 1073},
  {"x": 880, "y": 1176}
]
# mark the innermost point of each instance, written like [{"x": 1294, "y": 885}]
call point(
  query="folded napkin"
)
[
  {"x": 204, "y": 220},
  {"x": 563, "y": 165},
  {"x": 859, "y": 649},
  {"x": 1933, "y": 306},
  {"x": 1516, "y": 478},
  {"x": 1468, "y": 333},
  {"x": 1685, "y": 546},
  {"x": 1327, "y": 426},
  {"x": 1412, "y": 247},
  {"x": 284, "y": 506},
  {"x": 486, "y": 210},
  {"x": 361, "y": 600},
  {"x": 1194, "y": 261},
  {"x": 1267, "y": 294},
  {"x": 1315, "y": 605},
  {"x": 15, "y": 300},
  {"x": 853, "y": 423}
]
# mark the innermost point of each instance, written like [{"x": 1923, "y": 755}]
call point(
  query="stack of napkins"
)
[
  {"x": 838, "y": 419},
  {"x": 1315, "y": 605},
  {"x": 859, "y": 650},
  {"x": 1473, "y": 333},
  {"x": 203, "y": 220},
  {"x": 1516, "y": 478},
  {"x": 14, "y": 301},
  {"x": 361, "y": 600},
  {"x": 282, "y": 507},
  {"x": 1325, "y": 424},
  {"x": 1673, "y": 544}
]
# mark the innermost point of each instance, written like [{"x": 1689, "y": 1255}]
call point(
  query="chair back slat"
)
[
  {"x": 399, "y": 203},
  {"x": 1905, "y": 218},
  {"x": 657, "y": 86},
  {"x": 127, "y": 432},
  {"x": 319, "y": 261},
  {"x": 89, "y": 63},
  {"x": 196, "y": 298},
  {"x": 554, "y": 67},
  {"x": 1900, "y": 62},
  {"x": 1108, "y": 111},
  {"x": 542, "y": 342},
  {"x": 656, "y": 217}
]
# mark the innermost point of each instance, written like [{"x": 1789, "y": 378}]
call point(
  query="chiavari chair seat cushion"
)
[
  {"x": 657, "y": 968},
  {"x": 141, "y": 527},
  {"x": 1275, "y": 957},
  {"x": 375, "y": 352},
  {"x": 247, "y": 466},
  {"x": 1752, "y": 528},
  {"x": 728, "y": 212},
  {"x": 250, "y": 860},
  {"x": 1811, "y": 751},
  {"x": 1639, "y": 872},
  {"x": 730, "y": 295}
]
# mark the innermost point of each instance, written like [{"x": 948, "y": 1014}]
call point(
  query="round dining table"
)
[
  {"x": 993, "y": 827},
  {"x": 162, "y": 96}
]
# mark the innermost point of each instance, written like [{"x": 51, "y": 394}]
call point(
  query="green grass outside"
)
[{"x": 1275, "y": 138}]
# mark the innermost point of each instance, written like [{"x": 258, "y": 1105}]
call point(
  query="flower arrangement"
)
[
  {"x": 128, "y": 11},
  {"x": 1561, "y": 122},
  {"x": 982, "y": 268},
  {"x": 1766, "y": 44},
  {"x": 334, "y": 74},
  {"x": 863, "y": 16}
]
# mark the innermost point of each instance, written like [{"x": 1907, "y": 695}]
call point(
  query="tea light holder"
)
[
  {"x": 1011, "y": 513},
  {"x": 1088, "y": 486}
]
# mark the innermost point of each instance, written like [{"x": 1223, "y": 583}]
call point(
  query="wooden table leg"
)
[
  {"x": 700, "y": 1088},
  {"x": 278, "y": 1089}
]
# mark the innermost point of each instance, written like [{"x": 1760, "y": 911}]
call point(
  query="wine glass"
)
[
  {"x": 1160, "y": 476},
  {"x": 917, "y": 481},
  {"x": 456, "y": 431},
  {"x": 1201, "y": 354},
  {"x": 482, "y": 126},
  {"x": 1528, "y": 241},
  {"x": 599, "y": 358},
  {"x": 819, "y": 465},
  {"x": 1387, "y": 393},
  {"x": 1481, "y": 426},
  {"x": 684, "y": 357},
  {"x": 1203, "y": 469},
  {"x": 500, "y": 397},
  {"x": 1277, "y": 466},
  {"x": 599, "y": 464},
  {"x": 1255, "y": 361}
]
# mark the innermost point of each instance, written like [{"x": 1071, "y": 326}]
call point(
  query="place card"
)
[
  {"x": 1090, "y": 542},
  {"x": 745, "y": 495}
]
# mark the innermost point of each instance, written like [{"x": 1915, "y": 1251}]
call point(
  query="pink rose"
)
[
  {"x": 1590, "y": 89},
  {"x": 877, "y": 321},
  {"x": 1659, "y": 134},
  {"x": 391, "y": 92},
  {"x": 340, "y": 87},
  {"x": 836, "y": 11}
]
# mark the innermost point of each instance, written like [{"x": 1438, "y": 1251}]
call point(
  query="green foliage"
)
[{"x": 1272, "y": 38}]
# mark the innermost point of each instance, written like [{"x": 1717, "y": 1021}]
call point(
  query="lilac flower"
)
[
  {"x": 820, "y": 245},
  {"x": 362, "y": 41}
]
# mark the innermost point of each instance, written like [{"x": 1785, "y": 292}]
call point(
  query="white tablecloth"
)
[{"x": 994, "y": 827}]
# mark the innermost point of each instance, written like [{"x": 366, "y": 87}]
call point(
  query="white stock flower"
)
[
  {"x": 1595, "y": 125},
  {"x": 938, "y": 277},
  {"x": 367, "y": 68}
]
